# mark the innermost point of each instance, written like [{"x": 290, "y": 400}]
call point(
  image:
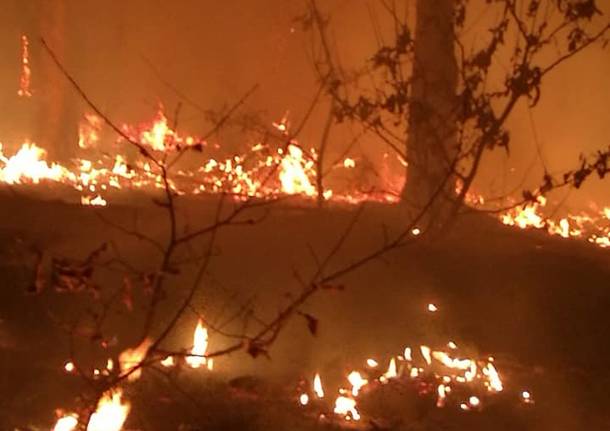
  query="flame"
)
[
  {"x": 441, "y": 395},
  {"x": 168, "y": 362},
  {"x": 349, "y": 163},
  {"x": 317, "y": 386},
  {"x": 357, "y": 382},
  {"x": 293, "y": 173},
  {"x": 111, "y": 413},
  {"x": 28, "y": 165},
  {"x": 304, "y": 399},
  {"x": 425, "y": 352},
  {"x": 130, "y": 360},
  {"x": 26, "y": 72},
  {"x": 371, "y": 363},
  {"x": 66, "y": 423},
  {"x": 495, "y": 383},
  {"x": 200, "y": 347},
  {"x": 391, "y": 373},
  {"x": 346, "y": 407},
  {"x": 89, "y": 131}
]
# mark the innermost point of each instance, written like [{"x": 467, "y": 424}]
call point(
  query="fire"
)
[
  {"x": 168, "y": 362},
  {"x": 304, "y": 399},
  {"x": 130, "y": 360},
  {"x": 200, "y": 347},
  {"x": 28, "y": 165},
  {"x": 441, "y": 395},
  {"x": 26, "y": 72},
  {"x": 317, "y": 386},
  {"x": 111, "y": 413},
  {"x": 346, "y": 407},
  {"x": 525, "y": 216},
  {"x": 425, "y": 352},
  {"x": 391, "y": 373},
  {"x": 66, "y": 423},
  {"x": 357, "y": 382},
  {"x": 294, "y": 173},
  {"x": 371, "y": 363},
  {"x": 89, "y": 131},
  {"x": 495, "y": 383}
]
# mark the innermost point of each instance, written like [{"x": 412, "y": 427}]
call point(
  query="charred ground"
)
[{"x": 538, "y": 304}]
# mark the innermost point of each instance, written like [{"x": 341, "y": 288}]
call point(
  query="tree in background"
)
[{"x": 440, "y": 99}]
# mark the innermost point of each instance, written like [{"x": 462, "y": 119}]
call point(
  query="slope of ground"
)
[{"x": 538, "y": 304}]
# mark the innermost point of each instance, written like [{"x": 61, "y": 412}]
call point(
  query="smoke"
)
[{"x": 125, "y": 54}]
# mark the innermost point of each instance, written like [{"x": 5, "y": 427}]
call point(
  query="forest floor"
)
[{"x": 538, "y": 304}]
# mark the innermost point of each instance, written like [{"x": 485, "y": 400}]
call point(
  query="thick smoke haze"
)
[{"x": 125, "y": 53}]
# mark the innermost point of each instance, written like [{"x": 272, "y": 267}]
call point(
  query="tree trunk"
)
[
  {"x": 431, "y": 145},
  {"x": 56, "y": 119}
]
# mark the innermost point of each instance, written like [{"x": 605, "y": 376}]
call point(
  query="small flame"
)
[
  {"x": 66, "y": 423},
  {"x": 346, "y": 407},
  {"x": 26, "y": 72},
  {"x": 357, "y": 382},
  {"x": 304, "y": 399},
  {"x": 200, "y": 347},
  {"x": 425, "y": 352},
  {"x": 441, "y": 395},
  {"x": 130, "y": 359},
  {"x": 293, "y": 173},
  {"x": 317, "y": 386},
  {"x": 168, "y": 362},
  {"x": 432, "y": 308},
  {"x": 391, "y": 373},
  {"x": 111, "y": 413},
  {"x": 69, "y": 367},
  {"x": 371, "y": 363}
]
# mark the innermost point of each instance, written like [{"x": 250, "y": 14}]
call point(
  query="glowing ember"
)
[
  {"x": 111, "y": 413},
  {"x": 407, "y": 354},
  {"x": 304, "y": 399},
  {"x": 474, "y": 401},
  {"x": 69, "y": 367},
  {"x": 432, "y": 308},
  {"x": 349, "y": 163},
  {"x": 346, "y": 407},
  {"x": 26, "y": 73},
  {"x": 371, "y": 363},
  {"x": 130, "y": 360},
  {"x": 168, "y": 362},
  {"x": 317, "y": 386},
  {"x": 200, "y": 347},
  {"x": 526, "y": 397}
]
